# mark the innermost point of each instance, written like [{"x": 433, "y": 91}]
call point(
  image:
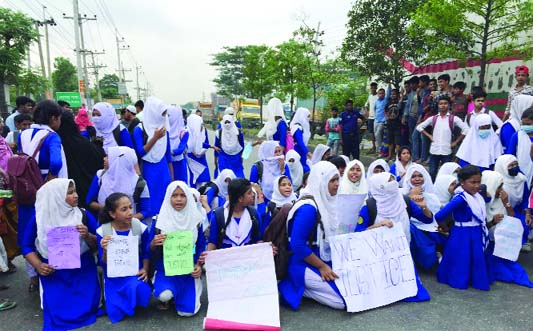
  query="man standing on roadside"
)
[
  {"x": 370, "y": 113},
  {"x": 24, "y": 106},
  {"x": 349, "y": 129}
]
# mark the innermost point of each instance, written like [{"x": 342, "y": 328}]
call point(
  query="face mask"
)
[
  {"x": 484, "y": 133},
  {"x": 513, "y": 171},
  {"x": 97, "y": 120},
  {"x": 527, "y": 128}
]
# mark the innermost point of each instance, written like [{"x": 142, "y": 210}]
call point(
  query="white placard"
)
[
  {"x": 375, "y": 267},
  {"x": 196, "y": 168},
  {"x": 242, "y": 288},
  {"x": 123, "y": 256},
  {"x": 508, "y": 238},
  {"x": 348, "y": 207}
]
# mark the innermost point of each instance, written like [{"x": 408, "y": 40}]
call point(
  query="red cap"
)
[{"x": 522, "y": 70}]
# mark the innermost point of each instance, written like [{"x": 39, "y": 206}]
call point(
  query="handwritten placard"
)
[
  {"x": 375, "y": 268},
  {"x": 64, "y": 247},
  {"x": 240, "y": 279},
  {"x": 348, "y": 207},
  {"x": 508, "y": 238},
  {"x": 178, "y": 253},
  {"x": 123, "y": 256}
]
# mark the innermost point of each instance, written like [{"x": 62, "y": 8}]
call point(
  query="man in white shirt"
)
[
  {"x": 22, "y": 122},
  {"x": 24, "y": 105},
  {"x": 370, "y": 113},
  {"x": 442, "y": 145}
]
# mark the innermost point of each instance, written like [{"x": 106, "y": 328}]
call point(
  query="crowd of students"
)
[{"x": 148, "y": 176}]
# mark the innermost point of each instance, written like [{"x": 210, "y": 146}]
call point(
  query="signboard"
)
[
  {"x": 64, "y": 247},
  {"x": 73, "y": 98},
  {"x": 508, "y": 238},
  {"x": 178, "y": 253},
  {"x": 122, "y": 90},
  {"x": 123, "y": 256}
]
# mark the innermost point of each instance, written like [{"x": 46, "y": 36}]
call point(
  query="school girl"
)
[
  {"x": 276, "y": 125},
  {"x": 376, "y": 167},
  {"x": 464, "y": 261},
  {"x": 519, "y": 104},
  {"x": 301, "y": 133},
  {"x": 283, "y": 194},
  {"x": 481, "y": 146},
  {"x": 229, "y": 142},
  {"x": 217, "y": 191},
  {"x": 153, "y": 147},
  {"x": 321, "y": 153},
  {"x": 69, "y": 297},
  {"x": 108, "y": 127},
  {"x": 354, "y": 179},
  {"x": 179, "y": 137},
  {"x": 178, "y": 213},
  {"x": 445, "y": 188},
  {"x": 197, "y": 146},
  {"x": 292, "y": 159},
  {"x": 123, "y": 294},
  {"x": 449, "y": 168},
  {"x": 401, "y": 165}
]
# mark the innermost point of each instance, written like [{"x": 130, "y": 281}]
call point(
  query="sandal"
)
[{"x": 5, "y": 304}]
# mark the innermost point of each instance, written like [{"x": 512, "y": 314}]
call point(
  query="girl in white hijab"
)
[
  {"x": 292, "y": 159},
  {"x": 321, "y": 153},
  {"x": 179, "y": 137},
  {"x": 301, "y": 133},
  {"x": 514, "y": 182},
  {"x": 272, "y": 164},
  {"x": 276, "y": 125},
  {"x": 229, "y": 142},
  {"x": 310, "y": 267},
  {"x": 519, "y": 104},
  {"x": 221, "y": 182},
  {"x": 178, "y": 213},
  {"x": 283, "y": 193},
  {"x": 153, "y": 146},
  {"x": 449, "y": 168},
  {"x": 402, "y": 163},
  {"x": 197, "y": 146},
  {"x": 354, "y": 179},
  {"x": 481, "y": 146},
  {"x": 376, "y": 167},
  {"x": 57, "y": 206},
  {"x": 444, "y": 188},
  {"x": 106, "y": 122}
]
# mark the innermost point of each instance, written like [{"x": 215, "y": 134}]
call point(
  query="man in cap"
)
[
  {"x": 130, "y": 117},
  {"x": 521, "y": 76}
]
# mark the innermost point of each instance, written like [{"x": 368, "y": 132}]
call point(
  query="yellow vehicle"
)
[{"x": 248, "y": 112}]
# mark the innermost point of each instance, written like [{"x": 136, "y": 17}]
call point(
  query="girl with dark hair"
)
[
  {"x": 283, "y": 194},
  {"x": 70, "y": 297},
  {"x": 179, "y": 212},
  {"x": 50, "y": 157},
  {"x": 464, "y": 261},
  {"x": 401, "y": 165},
  {"x": 123, "y": 294}
]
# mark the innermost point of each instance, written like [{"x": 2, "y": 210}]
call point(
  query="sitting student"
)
[
  {"x": 500, "y": 269},
  {"x": 292, "y": 159},
  {"x": 123, "y": 294},
  {"x": 376, "y": 167},
  {"x": 22, "y": 122},
  {"x": 444, "y": 188},
  {"x": 282, "y": 195},
  {"x": 464, "y": 261},
  {"x": 338, "y": 162},
  {"x": 354, "y": 179},
  {"x": 401, "y": 165},
  {"x": 481, "y": 147},
  {"x": 237, "y": 223},
  {"x": 441, "y": 139},
  {"x": 479, "y": 108},
  {"x": 519, "y": 105},
  {"x": 217, "y": 191},
  {"x": 321, "y": 153},
  {"x": 178, "y": 213},
  {"x": 449, "y": 168},
  {"x": 270, "y": 165}
]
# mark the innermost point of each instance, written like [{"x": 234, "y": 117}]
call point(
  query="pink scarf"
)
[
  {"x": 82, "y": 119},
  {"x": 5, "y": 153}
]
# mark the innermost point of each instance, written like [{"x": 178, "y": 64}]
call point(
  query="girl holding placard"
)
[
  {"x": 124, "y": 289},
  {"x": 179, "y": 215},
  {"x": 70, "y": 297}
]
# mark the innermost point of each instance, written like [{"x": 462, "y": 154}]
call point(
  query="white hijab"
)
[
  {"x": 513, "y": 185},
  {"x": 177, "y": 126},
  {"x": 274, "y": 109},
  {"x": 153, "y": 119},
  {"x": 448, "y": 168},
  {"x": 427, "y": 187},
  {"x": 29, "y": 144},
  {"x": 442, "y": 184},
  {"x": 229, "y": 111},
  {"x": 493, "y": 180},
  {"x": 221, "y": 182},
  {"x": 300, "y": 120},
  {"x": 106, "y": 123},
  {"x": 523, "y": 154},
  {"x": 373, "y": 165},
  {"x": 400, "y": 169},
  {"x": 317, "y": 186},
  {"x": 318, "y": 153},
  {"x": 188, "y": 219},
  {"x": 196, "y": 135},
  {"x": 390, "y": 203},
  {"x": 121, "y": 175},
  {"x": 347, "y": 186},
  {"x": 481, "y": 152},
  {"x": 278, "y": 198},
  {"x": 519, "y": 104},
  {"x": 200, "y": 207},
  {"x": 52, "y": 210},
  {"x": 271, "y": 168},
  {"x": 230, "y": 136},
  {"x": 296, "y": 168}
]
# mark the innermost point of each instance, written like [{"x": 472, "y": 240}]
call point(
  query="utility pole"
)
[
  {"x": 137, "y": 78},
  {"x": 120, "y": 48},
  {"x": 76, "y": 17},
  {"x": 46, "y": 22},
  {"x": 95, "y": 68},
  {"x": 37, "y": 23}
]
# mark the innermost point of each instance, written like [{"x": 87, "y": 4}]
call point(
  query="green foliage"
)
[
  {"x": 230, "y": 65},
  {"x": 475, "y": 29},
  {"x": 377, "y": 42},
  {"x": 32, "y": 82},
  {"x": 109, "y": 86},
  {"x": 258, "y": 71},
  {"x": 64, "y": 77}
]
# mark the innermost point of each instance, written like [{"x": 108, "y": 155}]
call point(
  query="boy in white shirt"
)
[
  {"x": 442, "y": 145},
  {"x": 479, "y": 101},
  {"x": 22, "y": 122}
]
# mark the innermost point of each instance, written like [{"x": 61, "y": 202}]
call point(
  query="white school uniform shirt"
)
[
  {"x": 494, "y": 118},
  {"x": 442, "y": 135},
  {"x": 371, "y": 106}
]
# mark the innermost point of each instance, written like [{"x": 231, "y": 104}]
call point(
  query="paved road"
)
[{"x": 504, "y": 307}]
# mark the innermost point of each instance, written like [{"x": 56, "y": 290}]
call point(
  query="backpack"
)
[
  {"x": 450, "y": 121},
  {"x": 208, "y": 186},
  {"x": 25, "y": 176},
  {"x": 136, "y": 229},
  {"x": 373, "y": 210},
  {"x": 277, "y": 233},
  {"x": 116, "y": 135},
  {"x": 222, "y": 224}
]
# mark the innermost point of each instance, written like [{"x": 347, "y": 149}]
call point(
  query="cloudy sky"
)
[{"x": 172, "y": 41}]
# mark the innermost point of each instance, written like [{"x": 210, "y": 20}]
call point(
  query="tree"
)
[
  {"x": 377, "y": 42},
  {"x": 65, "y": 75},
  {"x": 17, "y": 32},
  {"x": 258, "y": 80},
  {"x": 230, "y": 65},
  {"x": 475, "y": 29},
  {"x": 32, "y": 82},
  {"x": 109, "y": 86}
]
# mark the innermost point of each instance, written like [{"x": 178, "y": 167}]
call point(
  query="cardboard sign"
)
[
  {"x": 508, "y": 238},
  {"x": 123, "y": 256},
  {"x": 64, "y": 247},
  {"x": 178, "y": 253},
  {"x": 348, "y": 207}
]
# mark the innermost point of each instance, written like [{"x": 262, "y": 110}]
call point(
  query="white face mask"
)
[{"x": 391, "y": 187}]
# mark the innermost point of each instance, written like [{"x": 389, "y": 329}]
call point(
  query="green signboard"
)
[{"x": 73, "y": 98}]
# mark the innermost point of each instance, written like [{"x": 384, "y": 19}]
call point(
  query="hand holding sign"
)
[
  {"x": 178, "y": 253},
  {"x": 64, "y": 247},
  {"x": 123, "y": 256}
]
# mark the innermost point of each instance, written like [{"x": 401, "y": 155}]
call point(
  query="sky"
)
[{"x": 172, "y": 42}]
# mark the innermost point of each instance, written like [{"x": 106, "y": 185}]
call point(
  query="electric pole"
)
[
  {"x": 46, "y": 22},
  {"x": 137, "y": 78},
  {"x": 76, "y": 17},
  {"x": 43, "y": 70},
  {"x": 95, "y": 66}
]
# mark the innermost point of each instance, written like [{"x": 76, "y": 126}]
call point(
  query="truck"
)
[
  {"x": 208, "y": 114},
  {"x": 248, "y": 112}
]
